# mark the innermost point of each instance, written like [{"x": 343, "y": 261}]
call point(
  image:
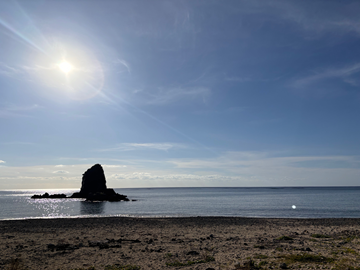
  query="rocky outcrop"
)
[
  {"x": 47, "y": 196},
  {"x": 93, "y": 180},
  {"x": 93, "y": 188},
  {"x": 108, "y": 195}
]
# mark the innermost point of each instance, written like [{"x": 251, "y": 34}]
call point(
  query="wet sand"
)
[{"x": 179, "y": 243}]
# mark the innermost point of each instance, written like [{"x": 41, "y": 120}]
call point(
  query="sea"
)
[{"x": 276, "y": 202}]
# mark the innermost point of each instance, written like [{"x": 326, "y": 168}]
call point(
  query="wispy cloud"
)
[
  {"x": 61, "y": 172},
  {"x": 238, "y": 79},
  {"x": 229, "y": 169},
  {"x": 179, "y": 179},
  {"x": 143, "y": 146},
  {"x": 165, "y": 96},
  {"x": 343, "y": 73},
  {"x": 16, "y": 70},
  {"x": 337, "y": 19},
  {"x": 8, "y": 70},
  {"x": 2, "y": 161},
  {"x": 16, "y": 110},
  {"x": 123, "y": 63},
  {"x": 17, "y": 143},
  {"x": 227, "y": 111},
  {"x": 114, "y": 166},
  {"x": 271, "y": 170}
]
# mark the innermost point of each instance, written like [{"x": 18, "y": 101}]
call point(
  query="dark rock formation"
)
[
  {"x": 93, "y": 180},
  {"x": 93, "y": 188},
  {"x": 47, "y": 196},
  {"x": 108, "y": 195}
]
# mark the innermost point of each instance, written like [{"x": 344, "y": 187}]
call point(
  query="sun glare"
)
[{"x": 65, "y": 67}]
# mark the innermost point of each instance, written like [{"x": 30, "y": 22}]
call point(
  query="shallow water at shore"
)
[{"x": 310, "y": 202}]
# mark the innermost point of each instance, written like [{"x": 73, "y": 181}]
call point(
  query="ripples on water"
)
[{"x": 174, "y": 202}]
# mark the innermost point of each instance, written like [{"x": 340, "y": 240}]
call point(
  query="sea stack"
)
[
  {"x": 93, "y": 180},
  {"x": 93, "y": 187}
]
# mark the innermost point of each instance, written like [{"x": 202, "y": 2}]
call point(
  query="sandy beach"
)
[{"x": 180, "y": 243}]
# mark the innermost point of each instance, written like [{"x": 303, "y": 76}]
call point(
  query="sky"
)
[{"x": 180, "y": 93}]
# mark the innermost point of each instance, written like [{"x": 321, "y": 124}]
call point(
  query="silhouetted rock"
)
[
  {"x": 47, "y": 196},
  {"x": 108, "y": 195},
  {"x": 93, "y": 187},
  {"x": 93, "y": 180}
]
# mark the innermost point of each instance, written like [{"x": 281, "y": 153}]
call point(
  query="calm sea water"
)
[{"x": 310, "y": 202}]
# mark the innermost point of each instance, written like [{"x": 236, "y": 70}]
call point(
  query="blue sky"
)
[{"x": 180, "y": 93}]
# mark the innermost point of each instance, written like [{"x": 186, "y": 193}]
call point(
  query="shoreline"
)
[
  {"x": 175, "y": 217},
  {"x": 179, "y": 243}
]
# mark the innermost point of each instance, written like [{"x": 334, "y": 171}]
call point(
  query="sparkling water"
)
[{"x": 288, "y": 202}]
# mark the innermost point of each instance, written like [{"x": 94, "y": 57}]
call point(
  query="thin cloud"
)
[
  {"x": 273, "y": 170},
  {"x": 166, "y": 96},
  {"x": 123, "y": 63},
  {"x": 238, "y": 79},
  {"x": 7, "y": 70},
  {"x": 143, "y": 146},
  {"x": 61, "y": 172},
  {"x": 174, "y": 177},
  {"x": 114, "y": 166},
  {"x": 17, "y": 143},
  {"x": 343, "y": 73},
  {"x": 2, "y": 161},
  {"x": 16, "y": 110},
  {"x": 337, "y": 20}
]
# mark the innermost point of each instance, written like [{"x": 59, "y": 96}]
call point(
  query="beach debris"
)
[
  {"x": 61, "y": 247},
  {"x": 103, "y": 244},
  {"x": 249, "y": 265},
  {"x": 285, "y": 238},
  {"x": 128, "y": 240},
  {"x": 193, "y": 253},
  {"x": 150, "y": 241}
]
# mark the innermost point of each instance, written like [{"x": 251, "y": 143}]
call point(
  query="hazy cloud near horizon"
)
[{"x": 247, "y": 169}]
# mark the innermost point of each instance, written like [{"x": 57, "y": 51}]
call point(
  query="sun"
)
[{"x": 65, "y": 67}]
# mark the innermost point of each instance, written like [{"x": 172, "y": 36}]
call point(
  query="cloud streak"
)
[
  {"x": 15, "y": 110},
  {"x": 343, "y": 73},
  {"x": 143, "y": 146},
  {"x": 274, "y": 171},
  {"x": 232, "y": 169},
  {"x": 167, "y": 96},
  {"x": 61, "y": 172}
]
